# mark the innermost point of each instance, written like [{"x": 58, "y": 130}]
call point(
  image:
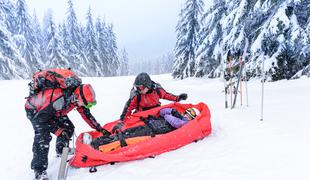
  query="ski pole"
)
[
  {"x": 244, "y": 74},
  {"x": 262, "y": 100},
  {"x": 224, "y": 70},
  {"x": 240, "y": 72},
  {"x": 230, "y": 76},
  {"x": 73, "y": 140},
  {"x": 240, "y": 62},
  {"x": 246, "y": 91},
  {"x": 225, "y": 91}
]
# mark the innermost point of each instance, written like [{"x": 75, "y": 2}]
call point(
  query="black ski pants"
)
[{"x": 43, "y": 126}]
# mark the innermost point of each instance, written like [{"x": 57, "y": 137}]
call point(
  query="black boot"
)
[
  {"x": 40, "y": 175},
  {"x": 59, "y": 146},
  {"x": 62, "y": 141}
]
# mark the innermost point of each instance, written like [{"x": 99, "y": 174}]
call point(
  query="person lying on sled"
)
[
  {"x": 177, "y": 120},
  {"x": 169, "y": 119},
  {"x": 145, "y": 95}
]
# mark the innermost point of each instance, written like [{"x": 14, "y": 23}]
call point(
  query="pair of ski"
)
[
  {"x": 231, "y": 87},
  {"x": 63, "y": 167}
]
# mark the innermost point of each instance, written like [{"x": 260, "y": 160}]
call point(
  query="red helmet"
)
[{"x": 85, "y": 95}]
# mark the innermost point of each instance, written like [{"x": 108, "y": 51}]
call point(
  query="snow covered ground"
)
[{"x": 241, "y": 147}]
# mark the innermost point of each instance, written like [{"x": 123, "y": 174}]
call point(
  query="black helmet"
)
[{"x": 143, "y": 79}]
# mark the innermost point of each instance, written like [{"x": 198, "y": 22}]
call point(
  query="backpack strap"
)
[
  {"x": 55, "y": 74},
  {"x": 138, "y": 101},
  {"x": 82, "y": 95},
  {"x": 51, "y": 98}
]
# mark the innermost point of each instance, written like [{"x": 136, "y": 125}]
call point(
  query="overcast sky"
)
[{"x": 146, "y": 28}]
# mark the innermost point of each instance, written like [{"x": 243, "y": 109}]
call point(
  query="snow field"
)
[{"x": 240, "y": 146}]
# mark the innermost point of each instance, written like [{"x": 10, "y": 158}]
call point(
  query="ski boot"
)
[
  {"x": 71, "y": 152},
  {"x": 40, "y": 175},
  {"x": 60, "y": 145}
]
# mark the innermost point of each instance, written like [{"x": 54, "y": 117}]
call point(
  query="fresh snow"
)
[{"x": 240, "y": 146}]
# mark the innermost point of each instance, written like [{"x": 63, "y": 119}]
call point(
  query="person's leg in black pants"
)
[{"x": 63, "y": 138}]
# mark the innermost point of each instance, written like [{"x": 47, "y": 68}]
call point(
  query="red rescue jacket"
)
[
  {"x": 141, "y": 102},
  {"x": 54, "y": 102}
]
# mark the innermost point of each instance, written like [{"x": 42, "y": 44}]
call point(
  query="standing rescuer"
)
[
  {"x": 47, "y": 111},
  {"x": 145, "y": 95}
]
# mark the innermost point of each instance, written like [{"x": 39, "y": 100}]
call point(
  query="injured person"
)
[{"x": 168, "y": 120}]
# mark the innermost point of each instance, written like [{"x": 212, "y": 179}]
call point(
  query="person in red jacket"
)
[
  {"x": 47, "y": 111},
  {"x": 145, "y": 95}
]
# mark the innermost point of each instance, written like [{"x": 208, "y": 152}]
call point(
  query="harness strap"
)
[
  {"x": 51, "y": 98},
  {"x": 138, "y": 100},
  {"x": 82, "y": 95},
  {"x": 121, "y": 139}
]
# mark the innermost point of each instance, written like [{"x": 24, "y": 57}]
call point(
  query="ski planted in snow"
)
[
  {"x": 226, "y": 77},
  {"x": 240, "y": 75},
  {"x": 63, "y": 167},
  {"x": 63, "y": 164},
  {"x": 230, "y": 67}
]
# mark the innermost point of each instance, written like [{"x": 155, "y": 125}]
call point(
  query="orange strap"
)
[{"x": 116, "y": 145}]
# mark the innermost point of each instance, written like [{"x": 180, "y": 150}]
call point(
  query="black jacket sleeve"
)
[
  {"x": 89, "y": 118},
  {"x": 130, "y": 105}
]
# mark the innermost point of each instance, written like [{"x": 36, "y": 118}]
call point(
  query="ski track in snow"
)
[{"x": 240, "y": 146}]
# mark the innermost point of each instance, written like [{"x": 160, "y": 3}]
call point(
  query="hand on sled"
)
[
  {"x": 182, "y": 96},
  {"x": 105, "y": 132},
  {"x": 117, "y": 127}
]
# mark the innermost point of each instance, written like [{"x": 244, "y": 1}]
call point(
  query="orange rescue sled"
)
[{"x": 143, "y": 147}]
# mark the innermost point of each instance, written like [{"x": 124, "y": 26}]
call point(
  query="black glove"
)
[
  {"x": 105, "y": 132},
  {"x": 182, "y": 96},
  {"x": 175, "y": 113},
  {"x": 117, "y": 127}
]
